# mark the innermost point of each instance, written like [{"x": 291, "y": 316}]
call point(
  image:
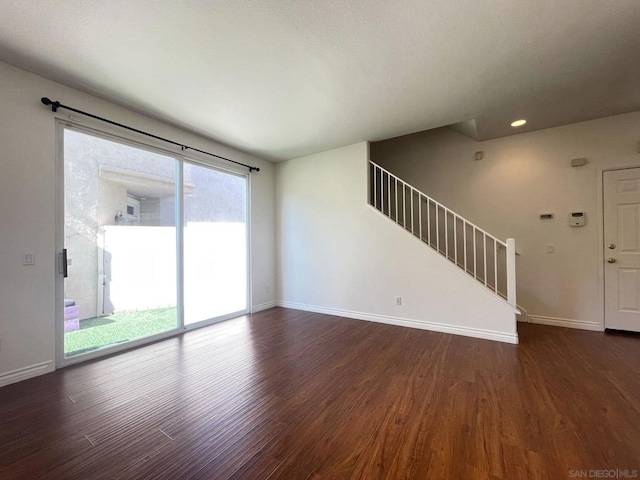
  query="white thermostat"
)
[{"x": 577, "y": 219}]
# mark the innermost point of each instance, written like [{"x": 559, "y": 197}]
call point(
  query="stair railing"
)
[{"x": 489, "y": 260}]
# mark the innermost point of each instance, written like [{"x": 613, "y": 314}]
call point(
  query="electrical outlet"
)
[
  {"x": 267, "y": 290},
  {"x": 551, "y": 248},
  {"x": 398, "y": 300},
  {"x": 28, "y": 259}
]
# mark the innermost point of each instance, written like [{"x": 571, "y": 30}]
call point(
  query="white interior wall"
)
[
  {"x": 28, "y": 222},
  {"x": 336, "y": 254},
  {"x": 520, "y": 177}
]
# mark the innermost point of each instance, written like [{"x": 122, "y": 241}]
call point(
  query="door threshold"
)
[{"x": 615, "y": 331}]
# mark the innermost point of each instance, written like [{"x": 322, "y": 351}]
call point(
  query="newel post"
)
[{"x": 511, "y": 272}]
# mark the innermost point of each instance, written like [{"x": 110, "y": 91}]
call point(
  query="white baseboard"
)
[
  {"x": 263, "y": 306},
  {"x": 25, "y": 373},
  {"x": 566, "y": 322},
  {"x": 405, "y": 322}
]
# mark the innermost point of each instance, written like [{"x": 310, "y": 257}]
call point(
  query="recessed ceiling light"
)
[{"x": 518, "y": 123}]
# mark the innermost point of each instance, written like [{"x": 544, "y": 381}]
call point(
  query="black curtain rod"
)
[{"x": 56, "y": 105}]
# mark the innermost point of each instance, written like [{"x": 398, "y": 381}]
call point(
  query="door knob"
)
[
  {"x": 611, "y": 246},
  {"x": 611, "y": 260}
]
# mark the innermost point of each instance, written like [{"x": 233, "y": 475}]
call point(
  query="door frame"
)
[
  {"x": 600, "y": 219},
  {"x": 111, "y": 134}
]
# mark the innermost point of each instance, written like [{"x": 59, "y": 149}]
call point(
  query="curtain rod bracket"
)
[{"x": 54, "y": 105}]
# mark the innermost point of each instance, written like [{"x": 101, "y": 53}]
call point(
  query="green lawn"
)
[{"x": 100, "y": 332}]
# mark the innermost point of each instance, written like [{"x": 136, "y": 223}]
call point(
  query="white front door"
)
[{"x": 622, "y": 249}]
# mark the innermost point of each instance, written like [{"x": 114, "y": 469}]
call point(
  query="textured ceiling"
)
[{"x": 283, "y": 78}]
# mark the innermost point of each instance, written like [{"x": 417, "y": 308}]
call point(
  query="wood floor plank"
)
[{"x": 286, "y": 394}]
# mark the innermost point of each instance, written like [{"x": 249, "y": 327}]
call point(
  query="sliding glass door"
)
[
  {"x": 132, "y": 272},
  {"x": 215, "y": 244}
]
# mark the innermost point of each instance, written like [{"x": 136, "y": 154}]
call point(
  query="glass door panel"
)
[
  {"x": 215, "y": 244},
  {"x": 120, "y": 238}
]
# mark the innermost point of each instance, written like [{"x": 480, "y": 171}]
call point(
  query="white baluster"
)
[
  {"x": 404, "y": 206},
  {"x": 464, "y": 236},
  {"x": 475, "y": 259},
  {"x": 375, "y": 186},
  {"x": 420, "y": 214},
  {"x": 411, "y": 190},
  {"x": 455, "y": 238},
  {"x": 495, "y": 265},
  {"x": 389, "y": 195},
  {"x": 428, "y": 221},
  {"x": 446, "y": 233},
  {"x": 484, "y": 247},
  {"x": 437, "y": 227}
]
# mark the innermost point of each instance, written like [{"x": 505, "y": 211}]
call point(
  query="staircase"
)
[{"x": 491, "y": 261}]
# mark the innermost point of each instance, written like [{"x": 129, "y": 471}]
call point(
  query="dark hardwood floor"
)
[{"x": 285, "y": 394}]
